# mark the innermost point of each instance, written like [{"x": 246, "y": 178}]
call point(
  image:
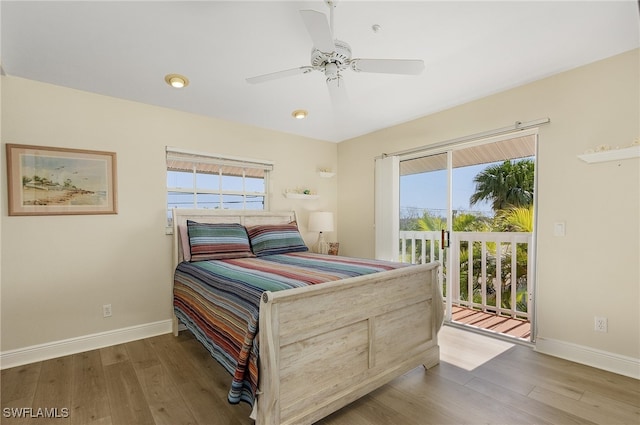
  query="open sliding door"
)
[{"x": 482, "y": 194}]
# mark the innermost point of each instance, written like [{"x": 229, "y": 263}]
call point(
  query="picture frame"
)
[{"x": 44, "y": 180}]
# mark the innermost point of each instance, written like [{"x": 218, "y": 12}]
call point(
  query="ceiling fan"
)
[{"x": 332, "y": 56}]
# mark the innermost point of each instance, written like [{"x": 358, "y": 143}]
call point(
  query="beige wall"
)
[
  {"x": 594, "y": 269},
  {"x": 58, "y": 271}
]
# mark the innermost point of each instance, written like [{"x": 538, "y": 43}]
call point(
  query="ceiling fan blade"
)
[
  {"x": 279, "y": 74},
  {"x": 338, "y": 92},
  {"x": 388, "y": 66},
  {"x": 319, "y": 30}
]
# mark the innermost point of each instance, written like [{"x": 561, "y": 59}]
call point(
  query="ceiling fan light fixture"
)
[
  {"x": 299, "y": 114},
  {"x": 332, "y": 56},
  {"x": 176, "y": 80}
]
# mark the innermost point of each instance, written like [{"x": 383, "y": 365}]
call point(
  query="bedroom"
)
[{"x": 47, "y": 309}]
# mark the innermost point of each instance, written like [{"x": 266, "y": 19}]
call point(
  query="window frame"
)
[{"x": 235, "y": 166}]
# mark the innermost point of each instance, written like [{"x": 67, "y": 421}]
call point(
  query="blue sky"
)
[{"x": 429, "y": 190}]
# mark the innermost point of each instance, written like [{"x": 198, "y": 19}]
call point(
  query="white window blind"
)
[{"x": 180, "y": 160}]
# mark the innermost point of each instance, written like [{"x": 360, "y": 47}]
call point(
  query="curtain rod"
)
[{"x": 517, "y": 126}]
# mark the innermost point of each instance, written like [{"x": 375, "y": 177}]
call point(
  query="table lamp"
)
[{"x": 321, "y": 221}]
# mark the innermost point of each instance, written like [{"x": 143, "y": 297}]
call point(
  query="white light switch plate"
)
[{"x": 558, "y": 229}]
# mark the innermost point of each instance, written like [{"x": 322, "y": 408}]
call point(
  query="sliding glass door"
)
[{"x": 482, "y": 194}]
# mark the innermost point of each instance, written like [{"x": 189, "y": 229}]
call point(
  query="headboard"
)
[{"x": 244, "y": 217}]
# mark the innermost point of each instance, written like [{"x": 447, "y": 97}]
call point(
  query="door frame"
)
[{"x": 449, "y": 149}]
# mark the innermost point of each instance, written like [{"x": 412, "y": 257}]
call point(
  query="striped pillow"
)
[
  {"x": 218, "y": 241},
  {"x": 269, "y": 239}
]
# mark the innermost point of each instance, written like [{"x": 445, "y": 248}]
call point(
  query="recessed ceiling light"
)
[
  {"x": 176, "y": 80},
  {"x": 299, "y": 114}
]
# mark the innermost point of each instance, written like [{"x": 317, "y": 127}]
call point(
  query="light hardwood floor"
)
[{"x": 168, "y": 380}]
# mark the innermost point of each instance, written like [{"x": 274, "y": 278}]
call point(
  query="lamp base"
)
[{"x": 321, "y": 246}]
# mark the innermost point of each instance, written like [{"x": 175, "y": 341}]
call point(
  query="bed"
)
[{"x": 296, "y": 350}]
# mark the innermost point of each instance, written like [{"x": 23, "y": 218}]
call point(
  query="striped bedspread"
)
[{"x": 219, "y": 302}]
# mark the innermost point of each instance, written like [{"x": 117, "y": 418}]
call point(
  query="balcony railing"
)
[{"x": 489, "y": 271}]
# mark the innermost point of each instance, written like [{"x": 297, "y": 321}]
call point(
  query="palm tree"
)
[
  {"x": 505, "y": 185},
  {"x": 462, "y": 222},
  {"x": 509, "y": 187},
  {"x": 465, "y": 222},
  {"x": 515, "y": 219},
  {"x": 430, "y": 222}
]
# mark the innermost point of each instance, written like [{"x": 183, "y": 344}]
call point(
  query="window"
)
[
  {"x": 424, "y": 184},
  {"x": 196, "y": 180}
]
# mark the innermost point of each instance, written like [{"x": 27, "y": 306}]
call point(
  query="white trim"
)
[
  {"x": 473, "y": 139},
  {"x": 435, "y": 150},
  {"x": 50, "y": 350},
  {"x": 612, "y": 362},
  {"x": 532, "y": 302},
  {"x": 387, "y": 208}
]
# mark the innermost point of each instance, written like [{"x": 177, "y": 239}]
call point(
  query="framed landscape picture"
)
[{"x": 44, "y": 180}]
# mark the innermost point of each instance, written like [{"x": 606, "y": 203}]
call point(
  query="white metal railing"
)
[{"x": 488, "y": 271}]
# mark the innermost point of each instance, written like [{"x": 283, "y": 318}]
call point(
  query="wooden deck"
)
[{"x": 518, "y": 328}]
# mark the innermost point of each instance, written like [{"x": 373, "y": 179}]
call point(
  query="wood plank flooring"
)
[
  {"x": 518, "y": 328},
  {"x": 169, "y": 380}
]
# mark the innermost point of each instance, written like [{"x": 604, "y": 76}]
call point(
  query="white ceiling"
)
[{"x": 470, "y": 49}]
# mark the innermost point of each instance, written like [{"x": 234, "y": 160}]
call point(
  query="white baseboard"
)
[
  {"x": 36, "y": 353},
  {"x": 616, "y": 363}
]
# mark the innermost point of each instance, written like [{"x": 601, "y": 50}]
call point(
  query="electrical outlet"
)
[
  {"x": 601, "y": 324},
  {"x": 106, "y": 310}
]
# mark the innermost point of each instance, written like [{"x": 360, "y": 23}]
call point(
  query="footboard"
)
[{"x": 324, "y": 346}]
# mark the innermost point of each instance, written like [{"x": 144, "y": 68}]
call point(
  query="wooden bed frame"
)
[{"x": 357, "y": 334}]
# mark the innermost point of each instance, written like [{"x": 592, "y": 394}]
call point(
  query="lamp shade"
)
[{"x": 321, "y": 221}]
